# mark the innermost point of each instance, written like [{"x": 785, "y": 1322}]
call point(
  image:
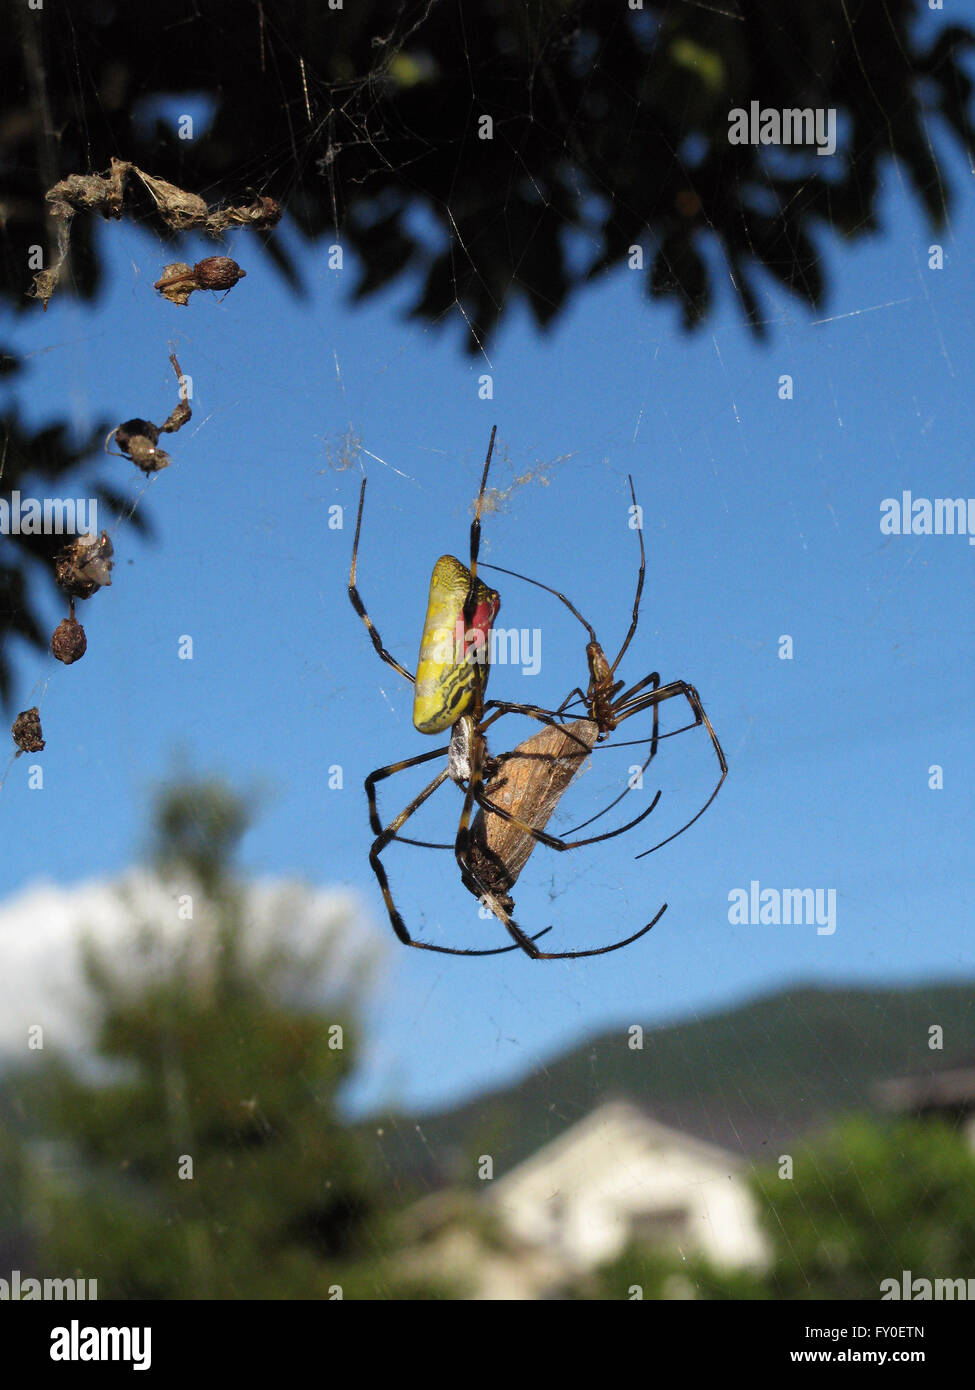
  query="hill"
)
[{"x": 751, "y": 1079}]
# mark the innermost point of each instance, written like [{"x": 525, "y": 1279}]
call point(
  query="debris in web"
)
[
  {"x": 138, "y": 440},
  {"x": 495, "y": 498},
  {"x": 178, "y": 209},
  {"x": 27, "y": 732},
  {"x": 69, "y": 642},
  {"x": 342, "y": 452},
  {"x": 85, "y": 565},
  {"x": 179, "y": 280},
  {"x": 81, "y": 569}
]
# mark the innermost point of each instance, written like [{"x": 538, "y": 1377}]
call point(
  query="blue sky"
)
[{"x": 761, "y": 518}]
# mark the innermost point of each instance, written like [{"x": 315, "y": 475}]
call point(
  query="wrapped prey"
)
[{"x": 528, "y": 782}]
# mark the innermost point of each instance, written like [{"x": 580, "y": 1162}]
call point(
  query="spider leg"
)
[
  {"x": 476, "y": 525},
  {"x": 574, "y": 697},
  {"x": 423, "y": 844},
  {"x": 549, "y": 590},
  {"x": 620, "y": 703},
  {"x": 544, "y": 716},
  {"x": 470, "y": 877},
  {"x": 666, "y": 692},
  {"x": 639, "y": 588},
  {"x": 383, "y": 772},
  {"x": 527, "y": 943},
  {"x": 553, "y": 841},
  {"x": 380, "y": 843},
  {"x": 476, "y": 883},
  {"x": 360, "y": 607},
  {"x": 603, "y": 950},
  {"x": 654, "y": 678}
]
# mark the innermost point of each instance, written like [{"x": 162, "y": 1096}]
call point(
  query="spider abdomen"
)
[{"x": 446, "y": 680}]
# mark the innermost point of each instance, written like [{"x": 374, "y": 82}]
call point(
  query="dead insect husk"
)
[
  {"x": 85, "y": 565},
  {"x": 27, "y": 732},
  {"x": 218, "y": 273},
  {"x": 179, "y": 209},
  {"x": 178, "y": 280},
  {"x": 138, "y": 441},
  {"x": 69, "y": 642},
  {"x": 528, "y": 783}
]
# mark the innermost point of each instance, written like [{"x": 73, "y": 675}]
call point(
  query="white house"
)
[{"x": 618, "y": 1176}]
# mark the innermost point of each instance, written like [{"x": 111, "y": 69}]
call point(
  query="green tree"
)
[
  {"x": 640, "y": 1271},
  {"x": 206, "y": 1159},
  {"x": 867, "y": 1202}
]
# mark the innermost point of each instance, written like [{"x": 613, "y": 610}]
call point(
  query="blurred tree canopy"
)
[
  {"x": 485, "y": 153},
  {"x": 610, "y": 125},
  {"x": 866, "y": 1203},
  {"x": 205, "y": 1157}
]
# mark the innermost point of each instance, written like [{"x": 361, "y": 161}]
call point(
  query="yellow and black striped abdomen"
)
[{"x": 445, "y": 678}]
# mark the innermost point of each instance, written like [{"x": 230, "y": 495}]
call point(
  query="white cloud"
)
[{"x": 42, "y": 930}]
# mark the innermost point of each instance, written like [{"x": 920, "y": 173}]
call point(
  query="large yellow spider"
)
[{"x": 449, "y": 689}]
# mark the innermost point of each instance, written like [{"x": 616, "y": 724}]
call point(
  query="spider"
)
[
  {"x": 607, "y": 704},
  {"x": 449, "y": 687}
]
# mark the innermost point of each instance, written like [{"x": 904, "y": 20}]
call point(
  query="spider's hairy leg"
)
[
  {"x": 666, "y": 692},
  {"x": 383, "y": 772},
  {"x": 470, "y": 603},
  {"x": 639, "y": 583},
  {"x": 654, "y": 680},
  {"x": 360, "y": 607},
  {"x": 474, "y": 880},
  {"x": 383, "y": 839},
  {"x": 526, "y": 785}
]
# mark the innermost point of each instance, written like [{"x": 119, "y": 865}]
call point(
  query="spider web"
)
[{"x": 830, "y": 656}]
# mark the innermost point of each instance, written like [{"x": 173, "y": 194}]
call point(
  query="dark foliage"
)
[{"x": 610, "y": 131}]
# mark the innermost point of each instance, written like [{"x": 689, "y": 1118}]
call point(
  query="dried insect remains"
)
[
  {"x": 138, "y": 440},
  {"x": 176, "y": 208},
  {"x": 179, "y": 280}
]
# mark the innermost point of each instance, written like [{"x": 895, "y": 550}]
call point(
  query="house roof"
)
[
  {"x": 615, "y": 1126},
  {"x": 947, "y": 1090}
]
